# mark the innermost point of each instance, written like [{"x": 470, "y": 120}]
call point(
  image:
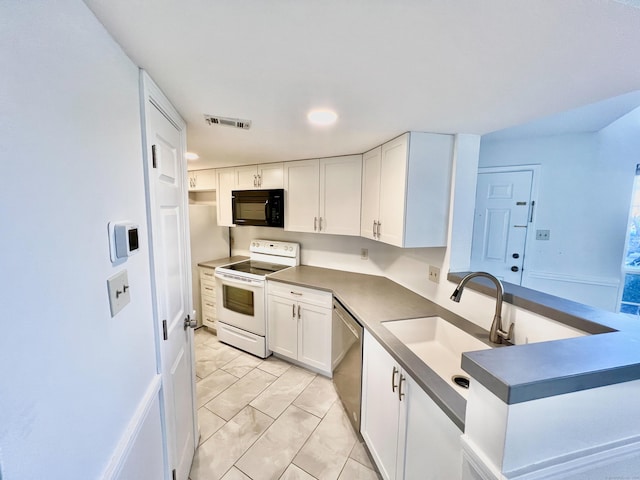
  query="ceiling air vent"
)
[{"x": 228, "y": 122}]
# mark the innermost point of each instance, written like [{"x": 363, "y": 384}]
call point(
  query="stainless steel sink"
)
[{"x": 438, "y": 343}]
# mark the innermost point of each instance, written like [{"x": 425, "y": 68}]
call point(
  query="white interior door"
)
[
  {"x": 172, "y": 286},
  {"x": 502, "y": 218}
]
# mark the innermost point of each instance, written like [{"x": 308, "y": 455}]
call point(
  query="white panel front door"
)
[
  {"x": 503, "y": 206},
  {"x": 171, "y": 263}
]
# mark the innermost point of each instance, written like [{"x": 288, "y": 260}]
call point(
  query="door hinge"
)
[
  {"x": 164, "y": 330},
  {"x": 173, "y": 474},
  {"x": 153, "y": 156}
]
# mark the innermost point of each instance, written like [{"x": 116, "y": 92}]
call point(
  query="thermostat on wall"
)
[{"x": 123, "y": 240}]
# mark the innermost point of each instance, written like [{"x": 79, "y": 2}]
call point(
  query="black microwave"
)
[{"x": 260, "y": 208}]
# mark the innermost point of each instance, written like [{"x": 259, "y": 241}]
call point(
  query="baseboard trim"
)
[
  {"x": 557, "y": 468},
  {"x": 127, "y": 440},
  {"x": 582, "y": 279}
]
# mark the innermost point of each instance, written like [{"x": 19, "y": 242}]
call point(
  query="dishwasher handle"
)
[{"x": 348, "y": 320}]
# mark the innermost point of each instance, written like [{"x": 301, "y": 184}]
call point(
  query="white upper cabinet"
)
[
  {"x": 340, "y": 187},
  {"x": 302, "y": 195},
  {"x": 202, "y": 180},
  {"x": 324, "y": 195},
  {"x": 370, "y": 193},
  {"x": 265, "y": 176},
  {"x": 413, "y": 178},
  {"x": 271, "y": 175},
  {"x": 226, "y": 184}
]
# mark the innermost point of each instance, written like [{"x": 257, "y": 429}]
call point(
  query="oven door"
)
[{"x": 241, "y": 302}]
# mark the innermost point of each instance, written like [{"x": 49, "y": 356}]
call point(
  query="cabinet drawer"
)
[
  {"x": 208, "y": 288},
  {"x": 303, "y": 294},
  {"x": 209, "y": 321},
  {"x": 206, "y": 273}
]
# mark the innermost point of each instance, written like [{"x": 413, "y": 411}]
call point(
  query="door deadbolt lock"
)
[
  {"x": 516, "y": 255},
  {"x": 514, "y": 269}
]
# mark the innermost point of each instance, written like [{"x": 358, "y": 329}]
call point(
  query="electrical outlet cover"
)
[{"x": 434, "y": 274}]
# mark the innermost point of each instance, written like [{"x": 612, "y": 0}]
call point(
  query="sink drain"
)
[{"x": 461, "y": 381}]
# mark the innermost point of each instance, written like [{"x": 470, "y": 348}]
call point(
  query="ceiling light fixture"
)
[
  {"x": 322, "y": 117},
  {"x": 192, "y": 156}
]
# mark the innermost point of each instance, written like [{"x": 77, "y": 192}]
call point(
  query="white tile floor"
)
[{"x": 267, "y": 419}]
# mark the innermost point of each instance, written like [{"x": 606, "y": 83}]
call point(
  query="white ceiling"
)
[{"x": 386, "y": 67}]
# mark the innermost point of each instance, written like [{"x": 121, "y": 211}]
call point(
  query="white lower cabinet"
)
[
  {"x": 299, "y": 324},
  {"x": 208, "y": 297},
  {"x": 408, "y": 435}
]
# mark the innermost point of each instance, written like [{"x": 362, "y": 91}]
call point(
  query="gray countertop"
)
[
  {"x": 516, "y": 373},
  {"x": 371, "y": 300},
  {"x": 222, "y": 261}
]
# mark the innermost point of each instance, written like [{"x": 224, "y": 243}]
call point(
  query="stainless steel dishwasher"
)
[{"x": 346, "y": 344}]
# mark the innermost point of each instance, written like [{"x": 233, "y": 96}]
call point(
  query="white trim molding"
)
[
  {"x": 128, "y": 439},
  {"x": 583, "y": 279}
]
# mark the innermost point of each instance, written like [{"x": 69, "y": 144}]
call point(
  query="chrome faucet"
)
[{"x": 496, "y": 334}]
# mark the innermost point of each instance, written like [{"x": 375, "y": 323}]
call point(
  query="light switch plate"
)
[{"x": 119, "y": 292}]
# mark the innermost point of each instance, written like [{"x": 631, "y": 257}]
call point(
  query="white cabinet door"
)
[
  {"x": 246, "y": 178},
  {"x": 380, "y": 406},
  {"x": 393, "y": 173},
  {"x": 370, "y": 193},
  {"x": 314, "y": 336},
  {"x": 282, "y": 319},
  {"x": 202, "y": 180},
  {"x": 271, "y": 175},
  {"x": 432, "y": 450},
  {"x": 340, "y": 195},
  {"x": 226, "y": 184},
  {"x": 301, "y": 183}
]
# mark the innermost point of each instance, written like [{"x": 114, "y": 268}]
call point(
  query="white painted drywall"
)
[
  {"x": 584, "y": 194},
  {"x": 71, "y": 377},
  {"x": 409, "y": 266}
]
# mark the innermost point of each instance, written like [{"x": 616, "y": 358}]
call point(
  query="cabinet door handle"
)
[
  {"x": 298, "y": 311},
  {"x": 393, "y": 379},
  {"x": 315, "y": 224},
  {"x": 255, "y": 180},
  {"x": 400, "y": 392},
  {"x": 293, "y": 310},
  {"x": 259, "y": 180},
  {"x": 374, "y": 228},
  {"x": 378, "y": 229},
  {"x": 320, "y": 224}
]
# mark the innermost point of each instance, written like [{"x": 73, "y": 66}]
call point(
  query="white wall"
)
[
  {"x": 584, "y": 193},
  {"x": 409, "y": 267},
  {"x": 71, "y": 377}
]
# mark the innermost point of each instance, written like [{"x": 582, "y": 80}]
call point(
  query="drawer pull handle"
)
[{"x": 296, "y": 293}]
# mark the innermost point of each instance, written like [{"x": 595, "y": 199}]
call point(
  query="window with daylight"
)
[{"x": 631, "y": 270}]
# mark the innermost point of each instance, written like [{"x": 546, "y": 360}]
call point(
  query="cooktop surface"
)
[{"x": 255, "y": 267}]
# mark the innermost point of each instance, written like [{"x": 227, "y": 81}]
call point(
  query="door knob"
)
[
  {"x": 190, "y": 322},
  {"x": 514, "y": 269},
  {"x": 516, "y": 255}
]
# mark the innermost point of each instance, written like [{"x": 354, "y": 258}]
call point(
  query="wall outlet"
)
[
  {"x": 543, "y": 234},
  {"x": 364, "y": 253},
  {"x": 434, "y": 274}
]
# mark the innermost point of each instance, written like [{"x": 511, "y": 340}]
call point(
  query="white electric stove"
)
[{"x": 241, "y": 294}]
